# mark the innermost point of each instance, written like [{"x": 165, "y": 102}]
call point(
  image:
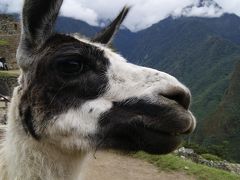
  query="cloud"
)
[
  {"x": 206, "y": 8},
  {"x": 146, "y": 13},
  {"x": 10, "y": 6},
  {"x": 71, "y": 8},
  {"x": 231, "y": 6},
  {"x": 204, "y": 12},
  {"x": 142, "y": 15}
]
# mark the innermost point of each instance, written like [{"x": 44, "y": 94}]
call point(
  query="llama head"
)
[{"x": 78, "y": 94}]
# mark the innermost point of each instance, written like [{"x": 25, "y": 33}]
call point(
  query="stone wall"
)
[
  {"x": 8, "y": 25},
  {"x": 9, "y": 39},
  {"x": 186, "y": 153},
  {"x": 7, "y": 85}
]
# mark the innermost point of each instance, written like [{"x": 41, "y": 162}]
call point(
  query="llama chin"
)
[{"x": 76, "y": 95}]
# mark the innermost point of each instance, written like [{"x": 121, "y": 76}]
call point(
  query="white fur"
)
[
  {"x": 72, "y": 128},
  {"x": 137, "y": 81}
]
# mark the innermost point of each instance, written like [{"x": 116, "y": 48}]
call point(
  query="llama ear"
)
[
  {"x": 38, "y": 19},
  {"x": 107, "y": 34}
]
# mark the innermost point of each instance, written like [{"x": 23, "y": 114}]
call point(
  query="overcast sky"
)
[{"x": 143, "y": 14}]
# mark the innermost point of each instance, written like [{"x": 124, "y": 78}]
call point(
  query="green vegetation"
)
[
  {"x": 222, "y": 127},
  {"x": 211, "y": 157},
  {"x": 196, "y": 147},
  {"x": 12, "y": 73},
  {"x": 3, "y": 42},
  {"x": 216, "y": 151},
  {"x": 173, "y": 163}
]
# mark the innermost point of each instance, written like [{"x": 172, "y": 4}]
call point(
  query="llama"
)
[{"x": 76, "y": 96}]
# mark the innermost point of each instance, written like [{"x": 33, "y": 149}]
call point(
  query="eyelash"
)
[{"x": 69, "y": 67}]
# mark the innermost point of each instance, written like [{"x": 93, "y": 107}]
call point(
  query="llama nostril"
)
[{"x": 181, "y": 97}]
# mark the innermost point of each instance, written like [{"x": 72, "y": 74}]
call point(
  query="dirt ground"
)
[{"x": 112, "y": 166}]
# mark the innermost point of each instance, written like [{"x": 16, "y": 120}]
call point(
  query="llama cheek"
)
[{"x": 80, "y": 122}]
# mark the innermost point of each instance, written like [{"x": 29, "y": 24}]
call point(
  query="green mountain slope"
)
[{"x": 222, "y": 128}]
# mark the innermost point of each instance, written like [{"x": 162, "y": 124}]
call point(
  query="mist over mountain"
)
[{"x": 201, "y": 8}]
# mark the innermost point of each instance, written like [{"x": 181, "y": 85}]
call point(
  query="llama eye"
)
[{"x": 69, "y": 67}]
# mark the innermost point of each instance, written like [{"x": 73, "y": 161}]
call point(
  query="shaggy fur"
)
[{"x": 24, "y": 158}]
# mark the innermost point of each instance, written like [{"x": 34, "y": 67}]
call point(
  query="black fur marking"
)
[
  {"x": 136, "y": 124},
  {"x": 39, "y": 17},
  {"x": 106, "y": 35},
  {"x": 49, "y": 92},
  {"x": 27, "y": 121}
]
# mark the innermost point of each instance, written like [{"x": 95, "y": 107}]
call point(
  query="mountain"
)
[
  {"x": 125, "y": 39},
  {"x": 70, "y": 25},
  {"x": 208, "y": 3},
  {"x": 222, "y": 127},
  {"x": 203, "y": 8}
]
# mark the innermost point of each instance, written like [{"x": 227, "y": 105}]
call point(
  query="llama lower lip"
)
[
  {"x": 128, "y": 138},
  {"x": 140, "y": 125},
  {"x": 184, "y": 125},
  {"x": 137, "y": 136},
  {"x": 193, "y": 124},
  {"x": 164, "y": 142}
]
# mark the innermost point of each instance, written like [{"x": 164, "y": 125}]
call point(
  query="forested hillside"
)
[{"x": 222, "y": 127}]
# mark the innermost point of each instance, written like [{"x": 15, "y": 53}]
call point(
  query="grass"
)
[
  {"x": 174, "y": 163},
  {"x": 211, "y": 157},
  {"x": 3, "y": 42},
  {"x": 11, "y": 73}
]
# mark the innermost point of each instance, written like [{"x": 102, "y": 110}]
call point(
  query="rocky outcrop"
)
[
  {"x": 186, "y": 153},
  {"x": 8, "y": 25}
]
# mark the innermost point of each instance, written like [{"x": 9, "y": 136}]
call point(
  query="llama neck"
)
[
  {"x": 28, "y": 161},
  {"x": 23, "y": 157}
]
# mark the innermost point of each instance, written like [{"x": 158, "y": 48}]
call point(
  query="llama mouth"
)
[
  {"x": 140, "y": 125},
  {"x": 132, "y": 138},
  {"x": 174, "y": 127}
]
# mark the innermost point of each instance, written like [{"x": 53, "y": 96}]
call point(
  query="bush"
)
[
  {"x": 3, "y": 42},
  {"x": 211, "y": 157},
  {"x": 196, "y": 147}
]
